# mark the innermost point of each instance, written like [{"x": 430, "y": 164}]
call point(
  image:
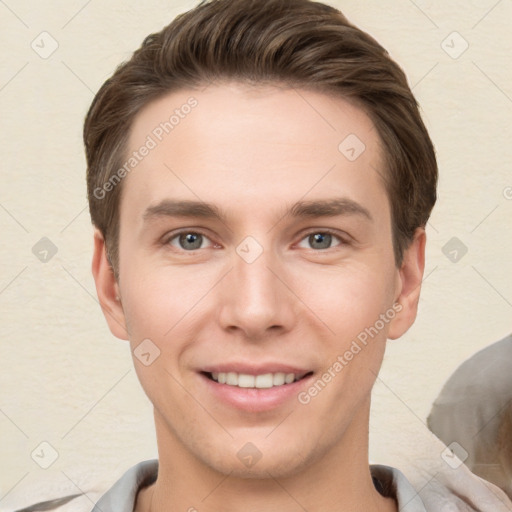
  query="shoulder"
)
[
  {"x": 395, "y": 484},
  {"x": 59, "y": 502},
  {"x": 69, "y": 503},
  {"x": 120, "y": 497},
  {"x": 456, "y": 490}
]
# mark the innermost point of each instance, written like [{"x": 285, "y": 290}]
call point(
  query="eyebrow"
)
[{"x": 301, "y": 209}]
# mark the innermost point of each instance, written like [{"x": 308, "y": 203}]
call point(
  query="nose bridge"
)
[{"x": 255, "y": 299}]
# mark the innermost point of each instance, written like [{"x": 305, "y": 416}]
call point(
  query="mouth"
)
[
  {"x": 254, "y": 388},
  {"x": 260, "y": 381}
]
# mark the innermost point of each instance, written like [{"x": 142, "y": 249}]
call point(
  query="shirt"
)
[
  {"x": 121, "y": 497},
  {"x": 456, "y": 490},
  {"x": 438, "y": 497}
]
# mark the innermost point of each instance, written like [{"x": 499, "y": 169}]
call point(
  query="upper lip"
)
[{"x": 255, "y": 369}]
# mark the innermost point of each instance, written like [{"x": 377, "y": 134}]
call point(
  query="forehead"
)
[{"x": 237, "y": 144}]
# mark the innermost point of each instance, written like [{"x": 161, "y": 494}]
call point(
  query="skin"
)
[{"x": 254, "y": 151}]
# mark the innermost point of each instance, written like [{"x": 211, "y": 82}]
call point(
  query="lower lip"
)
[{"x": 255, "y": 399}]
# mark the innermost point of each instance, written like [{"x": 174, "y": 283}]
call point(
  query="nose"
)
[{"x": 257, "y": 301}]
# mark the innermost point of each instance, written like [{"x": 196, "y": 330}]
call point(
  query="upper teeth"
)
[{"x": 244, "y": 380}]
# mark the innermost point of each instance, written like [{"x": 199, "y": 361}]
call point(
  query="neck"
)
[{"x": 339, "y": 480}]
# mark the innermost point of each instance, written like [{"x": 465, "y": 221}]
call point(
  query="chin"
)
[
  {"x": 265, "y": 464},
  {"x": 264, "y": 471}
]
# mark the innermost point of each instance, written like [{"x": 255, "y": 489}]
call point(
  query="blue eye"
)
[
  {"x": 192, "y": 240},
  {"x": 188, "y": 240},
  {"x": 321, "y": 240}
]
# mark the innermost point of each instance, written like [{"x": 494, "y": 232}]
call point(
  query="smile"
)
[{"x": 262, "y": 381}]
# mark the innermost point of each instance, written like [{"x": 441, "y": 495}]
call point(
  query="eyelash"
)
[{"x": 166, "y": 241}]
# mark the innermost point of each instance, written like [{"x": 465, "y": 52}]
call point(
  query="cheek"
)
[
  {"x": 159, "y": 305},
  {"x": 159, "y": 299},
  {"x": 348, "y": 299}
]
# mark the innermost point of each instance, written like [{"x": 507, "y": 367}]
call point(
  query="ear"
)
[
  {"x": 409, "y": 280},
  {"x": 107, "y": 289}
]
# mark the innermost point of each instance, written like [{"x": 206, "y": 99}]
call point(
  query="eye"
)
[
  {"x": 321, "y": 240},
  {"x": 187, "y": 240}
]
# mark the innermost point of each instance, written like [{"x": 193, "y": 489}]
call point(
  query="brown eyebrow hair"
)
[{"x": 307, "y": 209}]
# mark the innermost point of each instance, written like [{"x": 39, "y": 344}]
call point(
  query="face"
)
[{"x": 256, "y": 250}]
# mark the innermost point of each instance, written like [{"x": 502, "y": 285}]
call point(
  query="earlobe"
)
[
  {"x": 409, "y": 281},
  {"x": 107, "y": 289}
]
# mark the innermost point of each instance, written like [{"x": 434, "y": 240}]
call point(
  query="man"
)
[{"x": 260, "y": 178}]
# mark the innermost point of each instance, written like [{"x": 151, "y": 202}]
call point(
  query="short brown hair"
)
[{"x": 299, "y": 43}]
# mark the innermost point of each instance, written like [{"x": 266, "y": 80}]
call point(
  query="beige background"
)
[{"x": 65, "y": 380}]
